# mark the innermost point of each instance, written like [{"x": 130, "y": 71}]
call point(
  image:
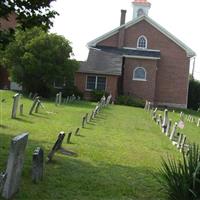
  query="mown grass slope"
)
[{"x": 119, "y": 152}]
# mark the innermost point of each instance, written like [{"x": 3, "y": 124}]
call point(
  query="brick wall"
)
[
  {"x": 141, "y": 89},
  {"x": 173, "y": 67},
  {"x": 111, "y": 84}
]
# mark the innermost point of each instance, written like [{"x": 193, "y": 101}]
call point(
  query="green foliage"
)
[
  {"x": 194, "y": 94},
  {"x": 181, "y": 179},
  {"x": 130, "y": 101},
  {"x": 36, "y": 59},
  {"x": 97, "y": 95},
  {"x": 28, "y": 14}
]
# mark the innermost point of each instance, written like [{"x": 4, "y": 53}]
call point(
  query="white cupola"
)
[{"x": 140, "y": 7}]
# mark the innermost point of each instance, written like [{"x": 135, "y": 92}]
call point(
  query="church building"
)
[{"x": 139, "y": 58}]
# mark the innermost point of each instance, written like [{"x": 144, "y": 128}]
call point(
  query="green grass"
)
[{"x": 119, "y": 153}]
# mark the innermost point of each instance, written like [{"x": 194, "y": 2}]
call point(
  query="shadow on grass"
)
[
  {"x": 39, "y": 116},
  {"x": 24, "y": 120}
]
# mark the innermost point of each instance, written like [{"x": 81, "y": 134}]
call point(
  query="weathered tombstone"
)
[
  {"x": 108, "y": 99},
  {"x": 165, "y": 120},
  {"x": 198, "y": 123},
  {"x": 69, "y": 137},
  {"x": 179, "y": 141},
  {"x": 30, "y": 95},
  {"x": 168, "y": 127},
  {"x": 16, "y": 98},
  {"x": 37, "y": 106},
  {"x": 15, "y": 165},
  {"x": 161, "y": 120},
  {"x": 182, "y": 145},
  {"x": 33, "y": 105},
  {"x": 35, "y": 95},
  {"x": 37, "y": 165},
  {"x": 173, "y": 131},
  {"x": 57, "y": 145},
  {"x": 83, "y": 122},
  {"x": 77, "y": 132},
  {"x": 146, "y": 104},
  {"x": 86, "y": 118},
  {"x": 60, "y": 98},
  {"x": 21, "y": 108},
  {"x": 91, "y": 116},
  {"x": 56, "y": 100}
]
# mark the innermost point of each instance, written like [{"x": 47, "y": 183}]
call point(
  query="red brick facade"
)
[
  {"x": 167, "y": 78},
  {"x": 111, "y": 84}
]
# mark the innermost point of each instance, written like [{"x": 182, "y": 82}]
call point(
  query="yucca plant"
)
[{"x": 181, "y": 179}]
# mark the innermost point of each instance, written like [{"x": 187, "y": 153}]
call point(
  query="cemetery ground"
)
[{"x": 118, "y": 153}]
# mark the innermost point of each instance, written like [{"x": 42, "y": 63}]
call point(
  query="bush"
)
[
  {"x": 97, "y": 94},
  {"x": 130, "y": 101},
  {"x": 194, "y": 94},
  {"x": 181, "y": 179}
]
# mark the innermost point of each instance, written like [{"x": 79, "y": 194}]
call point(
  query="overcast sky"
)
[{"x": 81, "y": 21}]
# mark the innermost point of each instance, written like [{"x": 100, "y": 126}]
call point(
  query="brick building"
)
[
  {"x": 5, "y": 24},
  {"x": 139, "y": 58}
]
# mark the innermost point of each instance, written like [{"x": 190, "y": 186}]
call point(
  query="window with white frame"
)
[
  {"x": 139, "y": 73},
  {"x": 142, "y": 42},
  {"x": 96, "y": 83}
]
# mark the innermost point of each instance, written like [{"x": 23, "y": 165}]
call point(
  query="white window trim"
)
[
  {"x": 139, "y": 79},
  {"x": 96, "y": 78},
  {"x": 139, "y": 40}
]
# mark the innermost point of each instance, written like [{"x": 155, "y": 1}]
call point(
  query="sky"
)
[{"x": 81, "y": 21}]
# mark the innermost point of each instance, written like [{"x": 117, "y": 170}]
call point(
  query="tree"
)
[
  {"x": 194, "y": 94},
  {"x": 36, "y": 59},
  {"x": 28, "y": 14}
]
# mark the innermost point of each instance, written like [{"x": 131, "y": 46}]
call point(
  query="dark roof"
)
[
  {"x": 130, "y": 52},
  {"x": 102, "y": 62}
]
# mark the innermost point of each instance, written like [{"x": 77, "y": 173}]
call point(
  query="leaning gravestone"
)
[
  {"x": 173, "y": 131},
  {"x": 165, "y": 120},
  {"x": 56, "y": 146},
  {"x": 15, "y": 165},
  {"x": 168, "y": 127},
  {"x": 37, "y": 165},
  {"x": 33, "y": 105},
  {"x": 37, "y": 106},
  {"x": 16, "y": 98},
  {"x": 77, "y": 132},
  {"x": 83, "y": 122},
  {"x": 69, "y": 137}
]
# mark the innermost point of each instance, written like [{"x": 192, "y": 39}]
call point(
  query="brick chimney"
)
[{"x": 122, "y": 30}]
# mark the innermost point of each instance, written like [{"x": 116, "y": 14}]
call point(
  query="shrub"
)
[
  {"x": 181, "y": 179},
  {"x": 130, "y": 101},
  {"x": 97, "y": 94}
]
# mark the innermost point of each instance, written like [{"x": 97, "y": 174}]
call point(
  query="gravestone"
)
[
  {"x": 77, "y": 132},
  {"x": 56, "y": 146},
  {"x": 21, "y": 108},
  {"x": 165, "y": 120},
  {"x": 60, "y": 98},
  {"x": 57, "y": 99},
  {"x": 69, "y": 137},
  {"x": 173, "y": 131},
  {"x": 146, "y": 104},
  {"x": 179, "y": 141},
  {"x": 86, "y": 118},
  {"x": 182, "y": 145},
  {"x": 30, "y": 95},
  {"x": 15, "y": 165},
  {"x": 108, "y": 99},
  {"x": 35, "y": 95},
  {"x": 198, "y": 123},
  {"x": 83, "y": 122},
  {"x": 91, "y": 116},
  {"x": 33, "y": 105},
  {"x": 160, "y": 120},
  {"x": 168, "y": 127},
  {"x": 37, "y": 165},
  {"x": 37, "y": 106},
  {"x": 16, "y": 98}
]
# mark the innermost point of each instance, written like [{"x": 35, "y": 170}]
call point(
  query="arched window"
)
[
  {"x": 142, "y": 42},
  {"x": 140, "y": 12},
  {"x": 139, "y": 73}
]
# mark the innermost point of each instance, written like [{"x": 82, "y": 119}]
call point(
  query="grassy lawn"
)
[{"x": 119, "y": 152}]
